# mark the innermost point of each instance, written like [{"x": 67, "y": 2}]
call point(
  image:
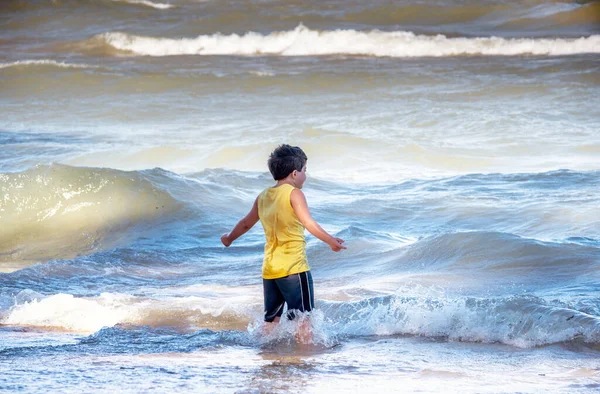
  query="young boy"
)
[{"x": 283, "y": 213}]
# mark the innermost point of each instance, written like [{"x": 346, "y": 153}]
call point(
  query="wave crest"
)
[
  {"x": 58, "y": 211},
  {"x": 303, "y": 41},
  {"x": 520, "y": 321},
  {"x": 44, "y": 62},
  {"x": 147, "y": 3}
]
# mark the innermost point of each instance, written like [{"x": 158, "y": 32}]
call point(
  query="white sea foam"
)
[
  {"x": 44, "y": 62},
  {"x": 262, "y": 73},
  {"x": 71, "y": 313},
  {"x": 518, "y": 321},
  {"x": 160, "y": 6},
  {"x": 303, "y": 41},
  {"x": 90, "y": 314}
]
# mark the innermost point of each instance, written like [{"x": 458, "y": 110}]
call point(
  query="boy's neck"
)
[{"x": 285, "y": 181}]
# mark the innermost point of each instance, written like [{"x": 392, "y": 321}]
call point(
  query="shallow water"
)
[{"x": 453, "y": 146}]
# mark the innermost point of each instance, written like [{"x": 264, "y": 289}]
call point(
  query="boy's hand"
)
[
  {"x": 225, "y": 240},
  {"x": 337, "y": 245}
]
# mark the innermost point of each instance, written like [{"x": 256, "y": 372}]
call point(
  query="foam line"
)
[
  {"x": 159, "y": 6},
  {"x": 44, "y": 62},
  {"x": 303, "y": 41}
]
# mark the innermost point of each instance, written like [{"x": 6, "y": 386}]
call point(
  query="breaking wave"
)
[
  {"x": 521, "y": 321},
  {"x": 58, "y": 211},
  {"x": 303, "y": 41}
]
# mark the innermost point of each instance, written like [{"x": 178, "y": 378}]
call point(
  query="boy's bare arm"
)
[
  {"x": 301, "y": 208},
  {"x": 245, "y": 224}
]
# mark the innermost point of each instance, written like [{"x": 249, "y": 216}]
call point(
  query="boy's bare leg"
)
[
  {"x": 304, "y": 334},
  {"x": 269, "y": 326}
]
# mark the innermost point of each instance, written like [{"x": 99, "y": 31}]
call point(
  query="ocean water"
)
[{"x": 454, "y": 145}]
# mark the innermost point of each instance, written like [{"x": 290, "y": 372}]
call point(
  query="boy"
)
[{"x": 283, "y": 213}]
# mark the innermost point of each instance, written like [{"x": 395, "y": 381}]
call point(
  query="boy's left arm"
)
[{"x": 245, "y": 224}]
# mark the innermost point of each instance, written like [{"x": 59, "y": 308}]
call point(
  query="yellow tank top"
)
[{"x": 285, "y": 247}]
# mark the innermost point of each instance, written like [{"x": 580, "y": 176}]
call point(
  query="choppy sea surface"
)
[{"x": 454, "y": 145}]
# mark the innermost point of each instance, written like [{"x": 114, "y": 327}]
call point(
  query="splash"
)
[{"x": 520, "y": 321}]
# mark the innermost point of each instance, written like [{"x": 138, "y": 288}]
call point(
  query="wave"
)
[
  {"x": 421, "y": 14},
  {"x": 555, "y": 15},
  {"x": 472, "y": 14},
  {"x": 147, "y": 3},
  {"x": 499, "y": 253},
  {"x": 303, "y": 41},
  {"x": 450, "y": 16},
  {"x": 44, "y": 62},
  {"x": 17, "y": 5},
  {"x": 90, "y": 314},
  {"x": 497, "y": 258},
  {"x": 58, "y": 211},
  {"x": 521, "y": 321}
]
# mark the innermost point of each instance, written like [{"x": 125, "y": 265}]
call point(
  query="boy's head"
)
[{"x": 286, "y": 159}]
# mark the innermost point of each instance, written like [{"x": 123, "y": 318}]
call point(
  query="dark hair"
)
[{"x": 285, "y": 159}]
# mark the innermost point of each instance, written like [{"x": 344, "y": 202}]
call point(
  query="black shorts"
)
[{"x": 296, "y": 290}]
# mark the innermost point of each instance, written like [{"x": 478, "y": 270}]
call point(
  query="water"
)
[{"x": 455, "y": 147}]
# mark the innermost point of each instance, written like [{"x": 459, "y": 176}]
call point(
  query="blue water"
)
[{"x": 462, "y": 170}]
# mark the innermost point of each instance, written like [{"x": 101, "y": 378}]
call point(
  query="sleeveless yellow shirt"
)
[{"x": 285, "y": 247}]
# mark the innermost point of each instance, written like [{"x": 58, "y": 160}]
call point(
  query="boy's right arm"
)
[
  {"x": 301, "y": 208},
  {"x": 245, "y": 224}
]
